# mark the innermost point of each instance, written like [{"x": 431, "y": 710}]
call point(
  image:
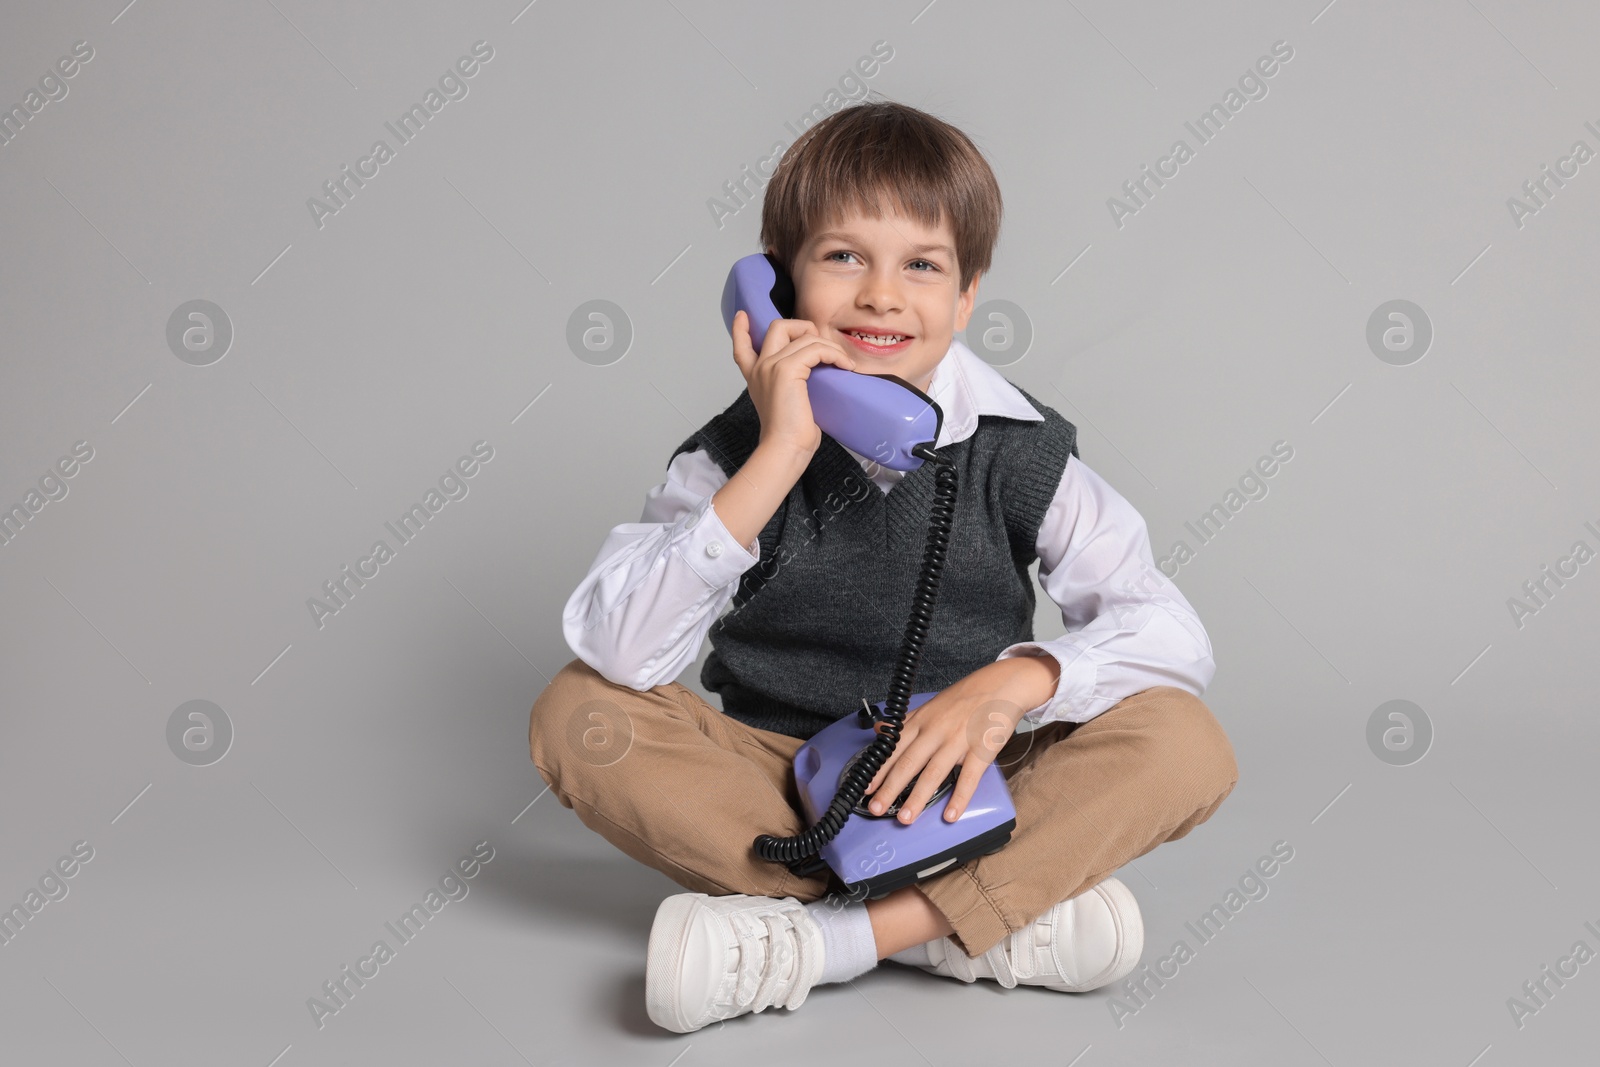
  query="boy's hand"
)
[
  {"x": 777, "y": 378},
  {"x": 966, "y": 723}
]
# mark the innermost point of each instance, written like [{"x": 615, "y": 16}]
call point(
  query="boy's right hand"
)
[{"x": 777, "y": 378}]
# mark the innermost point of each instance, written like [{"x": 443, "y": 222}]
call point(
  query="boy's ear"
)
[{"x": 965, "y": 302}]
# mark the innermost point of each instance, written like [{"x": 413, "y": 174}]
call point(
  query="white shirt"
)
[{"x": 657, "y": 586}]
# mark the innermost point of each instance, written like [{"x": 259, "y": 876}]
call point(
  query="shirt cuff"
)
[
  {"x": 1074, "y": 685},
  {"x": 713, "y": 553}
]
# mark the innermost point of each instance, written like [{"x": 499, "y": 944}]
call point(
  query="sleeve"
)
[
  {"x": 656, "y": 586},
  {"x": 1129, "y": 626}
]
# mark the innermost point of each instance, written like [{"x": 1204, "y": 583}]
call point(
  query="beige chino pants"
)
[{"x": 680, "y": 787}]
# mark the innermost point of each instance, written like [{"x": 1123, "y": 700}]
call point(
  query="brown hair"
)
[{"x": 884, "y": 151}]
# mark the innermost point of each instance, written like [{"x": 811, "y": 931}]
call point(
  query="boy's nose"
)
[{"x": 880, "y": 294}]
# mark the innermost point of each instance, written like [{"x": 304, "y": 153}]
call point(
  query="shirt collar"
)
[{"x": 965, "y": 386}]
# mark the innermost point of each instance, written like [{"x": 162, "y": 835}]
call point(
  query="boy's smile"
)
[{"x": 887, "y": 290}]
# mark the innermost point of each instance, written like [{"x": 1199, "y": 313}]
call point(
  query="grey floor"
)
[{"x": 182, "y": 879}]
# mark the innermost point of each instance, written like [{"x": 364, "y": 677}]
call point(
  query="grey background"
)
[{"x": 368, "y": 355}]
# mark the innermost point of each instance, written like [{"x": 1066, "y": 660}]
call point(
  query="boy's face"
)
[{"x": 889, "y": 277}]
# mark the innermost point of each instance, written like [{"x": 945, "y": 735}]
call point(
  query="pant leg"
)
[
  {"x": 1089, "y": 798},
  {"x": 671, "y": 781}
]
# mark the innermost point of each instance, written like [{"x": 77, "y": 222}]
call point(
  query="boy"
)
[{"x": 886, "y": 217}]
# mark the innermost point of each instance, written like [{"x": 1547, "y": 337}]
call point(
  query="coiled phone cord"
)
[{"x": 793, "y": 850}]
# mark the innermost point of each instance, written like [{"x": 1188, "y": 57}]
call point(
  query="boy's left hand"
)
[{"x": 967, "y": 723}]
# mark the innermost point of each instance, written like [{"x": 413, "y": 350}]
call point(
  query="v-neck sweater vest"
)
[{"x": 816, "y": 625}]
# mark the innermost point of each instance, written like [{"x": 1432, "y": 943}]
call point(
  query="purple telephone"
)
[
  {"x": 887, "y": 419},
  {"x": 878, "y": 416}
]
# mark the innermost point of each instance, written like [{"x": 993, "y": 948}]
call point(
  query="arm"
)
[
  {"x": 1130, "y": 626},
  {"x": 750, "y": 499},
  {"x": 656, "y": 586},
  {"x": 1134, "y": 630}
]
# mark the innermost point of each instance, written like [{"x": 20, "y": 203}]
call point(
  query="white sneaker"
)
[
  {"x": 717, "y": 957},
  {"x": 1080, "y": 944}
]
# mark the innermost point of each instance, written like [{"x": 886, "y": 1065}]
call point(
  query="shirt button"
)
[{"x": 714, "y": 549}]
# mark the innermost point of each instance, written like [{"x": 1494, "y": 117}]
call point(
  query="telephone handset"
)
[
  {"x": 887, "y": 419},
  {"x": 879, "y": 416}
]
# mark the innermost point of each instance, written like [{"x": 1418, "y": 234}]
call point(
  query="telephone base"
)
[
  {"x": 881, "y": 885},
  {"x": 872, "y": 855}
]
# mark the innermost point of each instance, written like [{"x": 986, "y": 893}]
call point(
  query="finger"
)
[
  {"x": 833, "y": 352},
  {"x": 888, "y": 764},
  {"x": 877, "y": 778},
  {"x": 744, "y": 353},
  {"x": 972, "y": 770},
  {"x": 906, "y": 768},
  {"x": 813, "y": 350},
  {"x": 784, "y": 331},
  {"x": 930, "y": 779},
  {"x": 908, "y": 735}
]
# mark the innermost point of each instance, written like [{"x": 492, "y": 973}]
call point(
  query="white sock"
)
[
  {"x": 848, "y": 947},
  {"x": 915, "y": 956}
]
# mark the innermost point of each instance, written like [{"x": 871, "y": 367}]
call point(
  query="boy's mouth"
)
[{"x": 878, "y": 342}]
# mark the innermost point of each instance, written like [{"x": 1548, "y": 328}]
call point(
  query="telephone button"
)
[{"x": 714, "y": 549}]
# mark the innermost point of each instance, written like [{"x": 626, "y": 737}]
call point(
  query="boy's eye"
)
[{"x": 931, "y": 266}]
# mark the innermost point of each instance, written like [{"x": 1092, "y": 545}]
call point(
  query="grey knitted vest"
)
[{"x": 817, "y": 624}]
